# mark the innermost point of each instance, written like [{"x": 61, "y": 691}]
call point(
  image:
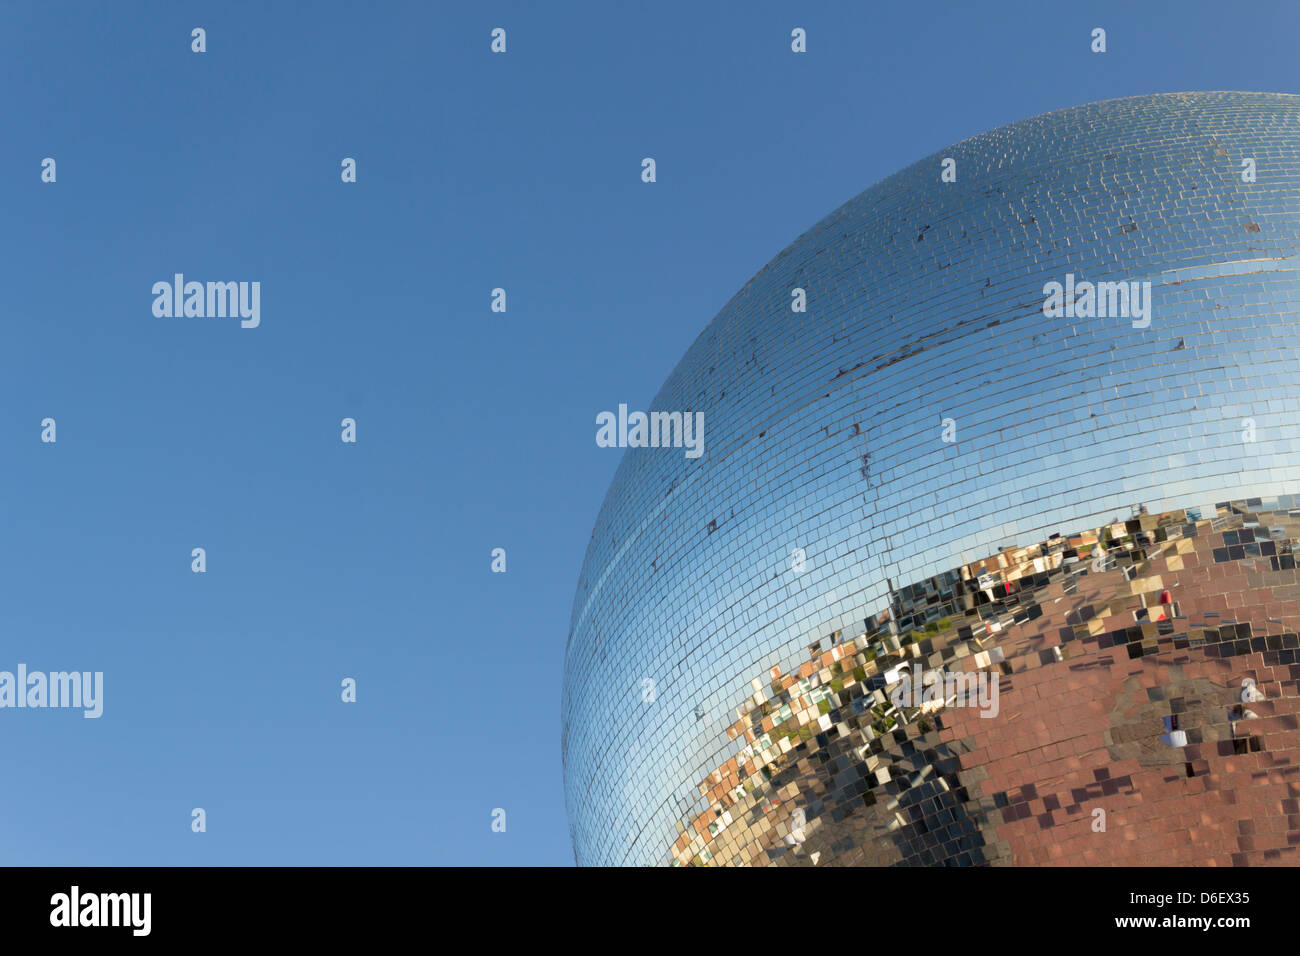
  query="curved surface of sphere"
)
[{"x": 741, "y": 616}]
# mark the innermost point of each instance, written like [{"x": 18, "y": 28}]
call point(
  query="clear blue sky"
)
[{"x": 475, "y": 430}]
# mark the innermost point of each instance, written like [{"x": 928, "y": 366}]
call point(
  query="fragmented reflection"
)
[{"x": 1146, "y": 669}]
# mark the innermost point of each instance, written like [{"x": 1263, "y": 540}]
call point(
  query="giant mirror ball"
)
[{"x": 1037, "y": 423}]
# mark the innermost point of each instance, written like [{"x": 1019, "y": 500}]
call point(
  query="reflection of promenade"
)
[{"x": 1120, "y": 654}]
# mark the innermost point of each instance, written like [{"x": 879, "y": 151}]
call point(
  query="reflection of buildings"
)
[
  {"x": 1121, "y": 690},
  {"x": 927, "y": 408}
]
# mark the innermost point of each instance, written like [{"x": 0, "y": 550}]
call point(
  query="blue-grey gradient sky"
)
[{"x": 475, "y": 429}]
